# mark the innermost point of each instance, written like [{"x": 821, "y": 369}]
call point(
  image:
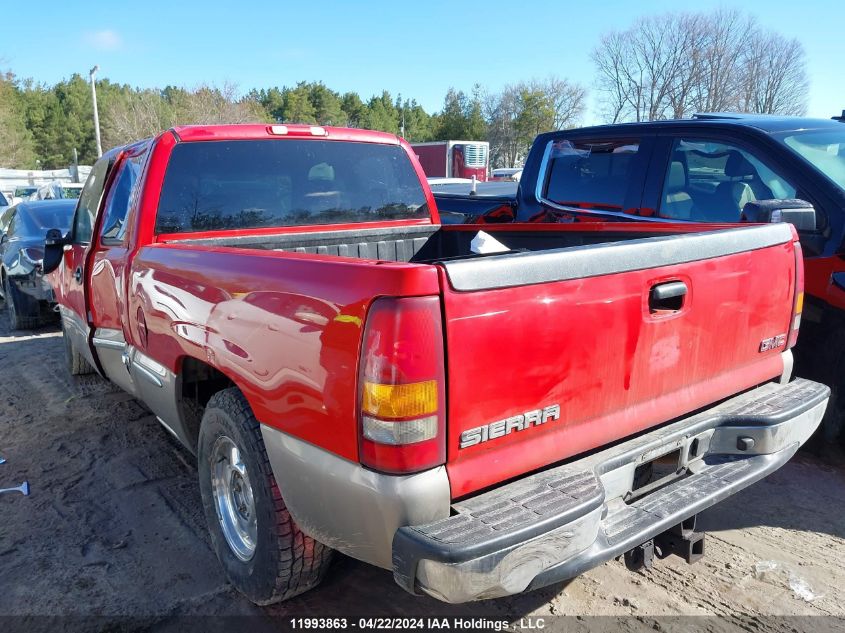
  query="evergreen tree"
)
[
  {"x": 354, "y": 109},
  {"x": 17, "y": 149},
  {"x": 382, "y": 114}
]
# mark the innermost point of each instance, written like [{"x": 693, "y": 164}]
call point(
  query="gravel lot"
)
[{"x": 114, "y": 527}]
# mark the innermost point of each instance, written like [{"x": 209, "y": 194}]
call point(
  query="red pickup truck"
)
[{"x": 353, "y": 376}]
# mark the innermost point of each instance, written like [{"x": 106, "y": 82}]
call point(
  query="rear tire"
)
[
  {"x": 272, "y": 560},
  {"x": 22, "y": 309},
  {"x": 75, "y": 362}
]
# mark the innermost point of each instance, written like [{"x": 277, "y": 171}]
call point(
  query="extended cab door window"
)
[
  {"x": 120, "y": 200},
  {"x": 89, "y": 202},
  {"x": 599, "y": 174},
  {"x": 709, "y": 181}
]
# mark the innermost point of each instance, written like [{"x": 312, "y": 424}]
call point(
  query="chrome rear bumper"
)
[{"x": 558, "y": 523}]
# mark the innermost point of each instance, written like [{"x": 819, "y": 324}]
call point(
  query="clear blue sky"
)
[{"x": 417, "y": 49}]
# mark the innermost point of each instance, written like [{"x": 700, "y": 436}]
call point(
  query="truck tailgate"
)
[{"x": 554, "y": 353}]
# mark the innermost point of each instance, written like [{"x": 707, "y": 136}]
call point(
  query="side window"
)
[
  {"x": 6, "y": 218},
  {"x": 89, "y": 202},
  {"x": 120, "y": 200},
  {"x": 10, "y": 229},
  {"x": 711, "y": 182},
  {"x": 591, "y": 174}
]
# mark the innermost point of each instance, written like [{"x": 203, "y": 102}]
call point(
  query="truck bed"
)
[
  {"x": 611, "y": 363},
  {"x": 428, "y": 243}
]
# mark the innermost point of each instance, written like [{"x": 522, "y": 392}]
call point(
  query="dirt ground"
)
[{"x": 113, "y": 527}]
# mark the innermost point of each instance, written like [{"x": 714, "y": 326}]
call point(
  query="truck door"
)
[
  {"x": 107, "y": 279},
  {"x": 73, "y": 270}
]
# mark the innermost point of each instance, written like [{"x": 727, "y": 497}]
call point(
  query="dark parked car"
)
[
  {"x": 713, "y": 168},
  {"x": 28, "y": 296}
]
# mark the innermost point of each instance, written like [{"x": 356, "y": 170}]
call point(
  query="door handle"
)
[
  {"x": 668, "y": 296},
  {"x": 77, "y": 274}
]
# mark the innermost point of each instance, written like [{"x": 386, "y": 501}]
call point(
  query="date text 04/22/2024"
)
[{"x": 427, "y": 623}]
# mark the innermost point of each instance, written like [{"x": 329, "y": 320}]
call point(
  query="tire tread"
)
[{"x": 300, "y": 562}]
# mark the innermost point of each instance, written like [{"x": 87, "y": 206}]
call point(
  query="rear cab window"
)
[
  {"x": 244, "y": 184},
  {"x": 598, "y": 174}
]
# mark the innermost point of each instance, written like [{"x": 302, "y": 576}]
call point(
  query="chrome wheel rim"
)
[{"x": 233, "y": 498}]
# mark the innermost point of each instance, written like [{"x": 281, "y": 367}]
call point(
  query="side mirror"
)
[
  {"x": 799, "y": 213},
  {"x": 54, "y": 246},
  {"x": 4, "y": 238}
]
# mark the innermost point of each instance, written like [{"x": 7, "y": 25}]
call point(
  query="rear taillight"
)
[
  {"x": 402, "y": 386},
  {"x": 33, "y": 255},
  {"x": 798, "y": 303}
]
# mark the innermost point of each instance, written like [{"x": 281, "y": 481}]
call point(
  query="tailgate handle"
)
[{"x": 667, "y": 296}]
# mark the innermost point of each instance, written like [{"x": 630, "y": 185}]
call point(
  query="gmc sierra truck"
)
[
  {"x": 353, "y": 376},
  {"x": 719, "y": 168}
]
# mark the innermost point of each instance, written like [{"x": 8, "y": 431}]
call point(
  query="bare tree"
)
[
  {"x": 141, "y": 113},
  {"x": 610, "y": 58},
  {"x": 213, "y": 105},
  {"x": 136, "y": 115},
  {"x": 725, "y": 36},
  {"x": 688, "y": 43},
  {"x": 500, "y": 111},
  {"x": 774, "y": 76},
  {"x": 637, "y": 68},
  {"x": 566, "y": 99},
  {"x": 680, "y": 63},
  {"x": 523, "y": 110}
]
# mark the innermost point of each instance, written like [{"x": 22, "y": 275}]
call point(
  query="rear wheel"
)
[
  {"x": 75, "y": 362},
  {"x": 263, "y": 552},
  {"x": 22, "y": 309}
]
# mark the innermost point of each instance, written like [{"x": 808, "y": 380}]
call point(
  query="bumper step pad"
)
[{"x": 516, "y": 508}]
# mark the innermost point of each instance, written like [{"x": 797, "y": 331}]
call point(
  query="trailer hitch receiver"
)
[{"x": 681, "y": 540}]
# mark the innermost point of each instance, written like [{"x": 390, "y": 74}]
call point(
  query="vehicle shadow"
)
[
  {"x": 8, "y": 335},
  {"x": 807, "y": 494}
]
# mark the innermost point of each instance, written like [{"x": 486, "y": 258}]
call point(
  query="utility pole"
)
[
  {"x": 402, "y": 124},
  {"x": 91, "y": 74}
]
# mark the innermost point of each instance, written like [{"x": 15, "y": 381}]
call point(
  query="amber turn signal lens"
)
[{"x": 400, "y": 401}]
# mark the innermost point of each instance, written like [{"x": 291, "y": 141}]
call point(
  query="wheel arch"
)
[{"x": 197, "y": 381}]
